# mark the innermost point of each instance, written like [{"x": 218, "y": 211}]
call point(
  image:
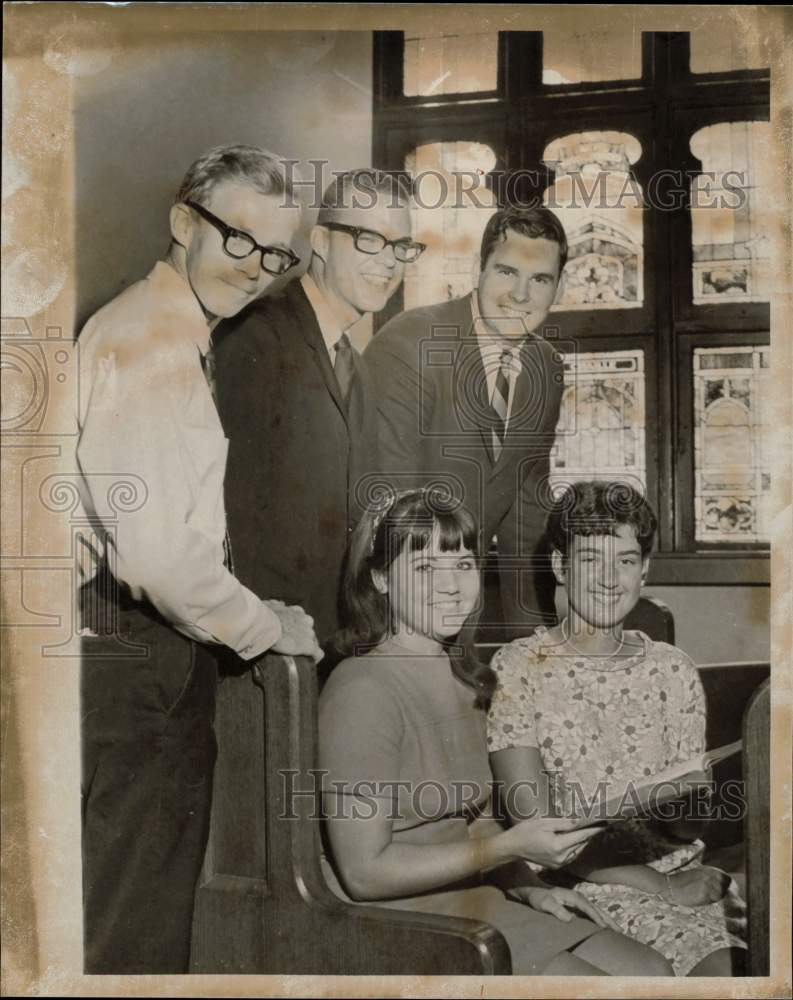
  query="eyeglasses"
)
[
  {"x": 367, "y": 241},
  {"x": 275, "y": 260}
]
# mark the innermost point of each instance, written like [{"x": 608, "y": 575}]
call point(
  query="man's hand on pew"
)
[
  {"x": 297, "y": 632},
  {"x": 698, "y": 886}
]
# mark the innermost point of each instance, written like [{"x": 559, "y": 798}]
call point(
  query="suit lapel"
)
[
  {"x": 306, "y": 321},
  {"x": 356, "y": 404},
  {"x": 482, "y": 400},
  {"x": 470, "y": 384}
]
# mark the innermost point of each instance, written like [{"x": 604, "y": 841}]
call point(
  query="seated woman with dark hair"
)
[
  {"x": 402, "y": 739},
  {"x": 586, "y": 711}
]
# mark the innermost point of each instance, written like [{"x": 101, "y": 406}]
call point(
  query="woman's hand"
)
[
  {"x": 549, "y": 842},
  {"x": 698, "y": 886},
  {"x": 559, "y": 902}
]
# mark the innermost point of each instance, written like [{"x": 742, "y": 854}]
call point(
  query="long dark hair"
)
[{"x": 400, "y": 519}]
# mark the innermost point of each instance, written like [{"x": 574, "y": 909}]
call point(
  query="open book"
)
[{"x": 647, "y": 793}]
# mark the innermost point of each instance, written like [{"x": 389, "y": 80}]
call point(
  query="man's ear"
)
[
  {"x": 557, "y": 564},
  {"x": 181, "y": 224},
  {"x": 320, "y": 242},
  {"x": 645, "y": 568},
  {"x": 380, "y": 582}
]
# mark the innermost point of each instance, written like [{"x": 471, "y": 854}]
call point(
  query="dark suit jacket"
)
[
  {"x": 296, "y": 453},
  {"x": 435, "y": 424}
]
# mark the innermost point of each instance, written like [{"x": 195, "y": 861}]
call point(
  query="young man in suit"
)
[
  {"x": 469, "y": 393},
  {"x": 160, "y": 595},
  {"x": 297, "y": 402}
]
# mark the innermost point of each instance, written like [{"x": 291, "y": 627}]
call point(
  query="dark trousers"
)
[{"x": 148, "y": 757}]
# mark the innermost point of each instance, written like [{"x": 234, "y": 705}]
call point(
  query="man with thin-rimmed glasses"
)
[
  {"x": 297, "y": 401},
  {"x": 160, "y": 593}
]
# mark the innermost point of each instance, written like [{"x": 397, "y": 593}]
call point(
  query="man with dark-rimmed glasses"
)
[
  {"x": 160, "y": 594},
  {"x": 297, "y": 401}
]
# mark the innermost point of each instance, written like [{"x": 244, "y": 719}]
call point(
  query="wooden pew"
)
[
  {"x": 262, "y": 905},
  {"x": 729, "y": 688},
  {"x": 756, "y": 769}
]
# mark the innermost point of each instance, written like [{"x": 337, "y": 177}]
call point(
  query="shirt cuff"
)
[{"x": 267, "y": 633}]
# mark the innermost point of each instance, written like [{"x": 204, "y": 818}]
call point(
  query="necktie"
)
[
  {"x": 343, "y": 366},
  {"x": 500, "y": 402},
  {"x": 208, "y": 368}
]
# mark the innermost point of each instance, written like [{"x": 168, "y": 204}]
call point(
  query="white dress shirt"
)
[{"x": 147, "y": 416}]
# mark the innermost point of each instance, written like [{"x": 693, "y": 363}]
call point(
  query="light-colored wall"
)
[{"x": 165, "y": 99}]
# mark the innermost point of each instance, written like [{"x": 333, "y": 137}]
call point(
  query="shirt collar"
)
[
  {"x": 329, "y": 325},
  {"x": 183, "y": 307},
  {"x": 491, "y": 347}
]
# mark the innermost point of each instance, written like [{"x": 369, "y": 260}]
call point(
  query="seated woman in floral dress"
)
[{"x": 586, "y": 709}]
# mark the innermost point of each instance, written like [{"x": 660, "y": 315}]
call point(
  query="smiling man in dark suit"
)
[
  {"x": 297, "y": 402},
  {"x": 469, "y": 394}
]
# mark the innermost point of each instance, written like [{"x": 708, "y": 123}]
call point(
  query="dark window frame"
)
[{"x": 663, "y": 108}]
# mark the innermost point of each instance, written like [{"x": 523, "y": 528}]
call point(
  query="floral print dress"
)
[{"x": 618, "y": 720}]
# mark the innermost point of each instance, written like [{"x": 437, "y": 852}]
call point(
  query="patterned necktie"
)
[
  {"x": 500, "y": 402},
  {"x": 208, "y": 368},
  {"x": 343, "y": 366}
]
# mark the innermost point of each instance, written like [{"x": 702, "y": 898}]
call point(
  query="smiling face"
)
[
  {"x": 222, "y": 284},
  {"x": 431, "y": 591},
  {"x": 358, "y": 282},
  {"x": 517, "y": 284},
  {"x": 602, "y": 575}
]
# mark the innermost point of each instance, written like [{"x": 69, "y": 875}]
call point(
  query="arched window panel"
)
[
  {"x": 591, "y": 53},
  {"x": 731, "y": 461},
  {"x": 601, "y": 429},
  {"x": 731, "y": 213},
  {"x": 448, "y": 62},
  {"x": 727, "y": 50},
  {"x": 450, "y": 211},
  {"x": 599, "y": 203}
]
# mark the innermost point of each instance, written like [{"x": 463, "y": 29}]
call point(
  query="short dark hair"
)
[
  {"x": 403, "y": 519},
  {"x": 538, "y": 223},
  {"x": 594, "y": 507},
  {"x": 256, "y": 167},
  {"x": 366, "y": 181}
]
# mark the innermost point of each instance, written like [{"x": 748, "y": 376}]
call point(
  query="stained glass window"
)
[
  {"x": 726, "y": 50},
  {"x": 450, "y": 212},
  {"x": 600, "y": 434},
  {"x": 600, "y": 206},
  {"x": 731, "y": 462},
  {"x": 730, "y": 213},
  {"x": 592, "y": 52},
  {"x": 445, "y": 62}
]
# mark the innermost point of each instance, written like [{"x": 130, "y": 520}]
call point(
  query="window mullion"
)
[{"x": 665, "y": 52}]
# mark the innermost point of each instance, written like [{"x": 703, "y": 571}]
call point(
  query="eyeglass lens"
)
[
  {"x": 369, "y": 242},
  {"x": 239, "y": 245}
]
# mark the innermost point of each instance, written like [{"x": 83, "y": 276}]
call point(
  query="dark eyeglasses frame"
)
[
  {"x": 227, "y": 232},
  {"x": 355, "y": 232}
]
